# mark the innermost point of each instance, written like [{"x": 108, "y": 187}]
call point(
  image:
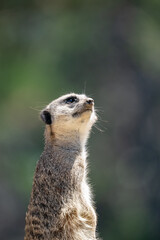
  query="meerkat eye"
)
[{"x": 71, "y": 100}]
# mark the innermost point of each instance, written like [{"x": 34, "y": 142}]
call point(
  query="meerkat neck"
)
[{"x": 71, "y": 140}]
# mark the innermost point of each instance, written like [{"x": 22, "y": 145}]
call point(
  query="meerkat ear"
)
[{"x": 46, "y": 117}]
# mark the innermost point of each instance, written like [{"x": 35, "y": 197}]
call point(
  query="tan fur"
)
[{"x": 60, "y": 207}]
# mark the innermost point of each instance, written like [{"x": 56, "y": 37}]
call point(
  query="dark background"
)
[{"x": 109, "y": 49}]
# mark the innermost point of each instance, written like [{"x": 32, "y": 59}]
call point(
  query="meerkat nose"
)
[{"x": 90, "y": 101}]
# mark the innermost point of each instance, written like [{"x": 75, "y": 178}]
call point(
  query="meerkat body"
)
[{"x": 60, "y": 207}]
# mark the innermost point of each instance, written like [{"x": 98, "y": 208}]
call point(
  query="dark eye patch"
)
[{"x": 71, "y": 99}]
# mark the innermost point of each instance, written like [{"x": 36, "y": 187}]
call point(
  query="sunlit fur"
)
[{"x": 61, "y": 205}]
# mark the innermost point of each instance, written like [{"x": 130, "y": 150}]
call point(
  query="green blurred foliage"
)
[{"x": 110, "y": 50}]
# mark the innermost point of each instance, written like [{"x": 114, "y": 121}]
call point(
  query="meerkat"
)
[{"x": 61, "y": 206}]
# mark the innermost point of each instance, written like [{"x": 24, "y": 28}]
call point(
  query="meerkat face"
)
[{"x": 71, "y": 112}]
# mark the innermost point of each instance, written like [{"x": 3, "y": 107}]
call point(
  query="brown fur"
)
[{"x": 60, "y": 207}]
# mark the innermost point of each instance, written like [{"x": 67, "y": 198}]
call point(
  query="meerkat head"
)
[{"x": 69, "y": 116}]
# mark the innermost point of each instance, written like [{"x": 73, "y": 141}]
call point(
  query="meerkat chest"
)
[{"x": 79, "y": 215}]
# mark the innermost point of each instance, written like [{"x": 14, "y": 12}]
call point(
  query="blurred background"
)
[{"x": 111, "y": 51}]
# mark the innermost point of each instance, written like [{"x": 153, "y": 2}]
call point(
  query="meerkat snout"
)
[
  {"x": 90, "y": 101},
  {"x": 89, "y": 104}
]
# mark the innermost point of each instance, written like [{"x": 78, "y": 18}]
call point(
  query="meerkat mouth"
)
[{"x": 77, "y": 114}]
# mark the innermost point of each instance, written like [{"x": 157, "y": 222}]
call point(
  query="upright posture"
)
[{"x": 60, "y": 207}]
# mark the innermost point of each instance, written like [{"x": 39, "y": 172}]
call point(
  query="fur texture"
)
[{"x": 60, "y": 207}]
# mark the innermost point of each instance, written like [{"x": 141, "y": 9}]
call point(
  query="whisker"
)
[
  {"x": 99, "y": 129},
  {"x": 84, "y": 89},
  {"x": 101, "y": 120},
  {"x": 39, "y": 107},
  {"x": 99, "y": 107},
  {"x": 92, "y": 131},
  {"x": 35, "y": 109}
]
